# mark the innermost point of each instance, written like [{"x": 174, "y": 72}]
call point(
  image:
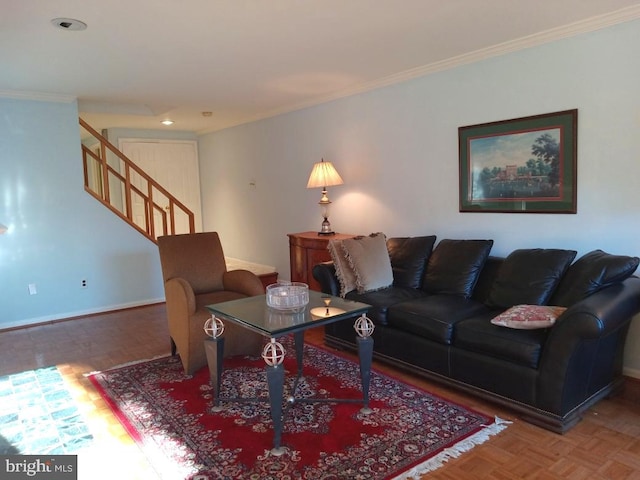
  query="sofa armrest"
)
[
  {"x": 242, "y": 281},
  {"x": 325, "y": 274},
  {"x": 584, "y": 350}
]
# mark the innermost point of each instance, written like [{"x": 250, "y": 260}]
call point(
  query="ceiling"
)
[{"x": 141, "y": 61}]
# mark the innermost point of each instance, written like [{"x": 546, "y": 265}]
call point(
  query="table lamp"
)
[{"x": 322, "y": 176}]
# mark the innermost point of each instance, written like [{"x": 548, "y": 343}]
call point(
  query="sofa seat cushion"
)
[
  {"x": 381, "y": 300},
  {"x": 478, "y": 334},
  {"x": 220, "y": 296},
  {"x": 433, "y": 317}
]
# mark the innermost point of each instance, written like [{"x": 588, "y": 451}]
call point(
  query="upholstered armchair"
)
[{"x": 195, "y": 275}]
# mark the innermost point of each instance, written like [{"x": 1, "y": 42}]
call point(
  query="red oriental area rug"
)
[{"x": 409, "y": 432}]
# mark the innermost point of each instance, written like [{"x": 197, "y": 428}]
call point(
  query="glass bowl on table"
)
[{"x": 288, "y": 296}]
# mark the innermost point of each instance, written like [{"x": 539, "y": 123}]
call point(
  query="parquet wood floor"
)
[{"x": 605, "y": 445}]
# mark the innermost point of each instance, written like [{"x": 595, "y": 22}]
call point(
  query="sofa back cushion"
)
[
  {"x": 590, "y": 273},
  {"x": 409, "y": 256},
  {"x": 529, "y": 276},
  {"x": 486, "y": 278},
  {"x": 454, "y": 266}
]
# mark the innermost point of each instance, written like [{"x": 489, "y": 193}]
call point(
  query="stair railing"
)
[{"x": 108, "y": 178}]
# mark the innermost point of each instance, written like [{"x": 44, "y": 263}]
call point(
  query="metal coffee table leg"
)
[
  {"x": 275, "y": 379},
  {"x": 299, "y": 343},
  {"x": 273, "y": 355},
  {"x": 365, "y": 353},
  {"x": 214, "y": 349},
  {"x": 364, "y": 328}
]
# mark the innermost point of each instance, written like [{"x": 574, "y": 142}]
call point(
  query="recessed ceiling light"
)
[
  {"x": 69, "y": 24},
  {"x": 167, "y": 122}
]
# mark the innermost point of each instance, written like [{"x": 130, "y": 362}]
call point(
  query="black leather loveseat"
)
[{"x": 435, "y": 319}]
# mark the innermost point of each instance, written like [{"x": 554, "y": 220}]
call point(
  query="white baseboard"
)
[
  {"x": 631, "y": 372},
  {"x": 78, "y": 313}
]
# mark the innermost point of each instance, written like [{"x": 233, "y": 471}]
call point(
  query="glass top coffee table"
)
[{"x": 253, "y": 314}]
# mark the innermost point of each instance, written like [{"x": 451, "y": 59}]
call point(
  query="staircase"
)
[{"x": 128, "y": 191}]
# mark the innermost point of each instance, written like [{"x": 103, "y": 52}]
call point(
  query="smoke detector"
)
[{"x": 69, "y": 24}]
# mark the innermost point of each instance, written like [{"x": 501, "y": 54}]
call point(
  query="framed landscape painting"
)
[{"x": 524, "y": 165}]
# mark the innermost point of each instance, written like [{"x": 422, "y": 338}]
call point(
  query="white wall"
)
[
  {"x": 396, "y": 149},
  {"x": 58, "y": 233}
]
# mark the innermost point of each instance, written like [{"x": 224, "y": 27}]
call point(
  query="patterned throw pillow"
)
[{"x": 528, "y": 317}]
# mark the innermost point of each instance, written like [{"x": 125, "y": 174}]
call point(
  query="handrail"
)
[{"x": 100, "y": 187}]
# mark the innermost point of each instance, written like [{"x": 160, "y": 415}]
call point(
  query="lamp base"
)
[{"x": 326, "y": 228}]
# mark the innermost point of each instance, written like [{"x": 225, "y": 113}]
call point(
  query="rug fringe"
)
[{"x": 455, "y": 451}]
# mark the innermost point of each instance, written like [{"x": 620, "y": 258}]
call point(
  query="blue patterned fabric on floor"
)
[{"x": 38, "y": 415}]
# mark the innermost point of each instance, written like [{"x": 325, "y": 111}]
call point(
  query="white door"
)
[{"x": 174, "y": 165}]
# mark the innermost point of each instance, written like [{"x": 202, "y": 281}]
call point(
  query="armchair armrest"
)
[
  {"x": 242, "y": 281},
  {"x": 325, "y": 274},
  {"x": 584, "y": 350},
  {"x": 181, "y": 306},
  {"x": 179, "y": 297}
]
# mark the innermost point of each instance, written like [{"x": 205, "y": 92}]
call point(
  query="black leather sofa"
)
[{"x": 435, "y": 320}]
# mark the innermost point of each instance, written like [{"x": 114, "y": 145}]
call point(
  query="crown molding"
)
[
  {"x": 38, "y": 96},
  {"x": 570, "y": 30}
]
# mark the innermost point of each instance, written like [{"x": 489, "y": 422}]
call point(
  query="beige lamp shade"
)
[
  {"x": 323, "y": 175},
  {"x": 3, "y": 228}
]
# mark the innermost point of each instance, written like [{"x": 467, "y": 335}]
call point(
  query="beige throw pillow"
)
[
  {"x": 369, "y": 258},
  {"x": 344, "y": 271}
]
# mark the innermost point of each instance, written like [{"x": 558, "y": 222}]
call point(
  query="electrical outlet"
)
[
  {"x": 32, "y": 289},
  {"x": 83, "y": 283}
]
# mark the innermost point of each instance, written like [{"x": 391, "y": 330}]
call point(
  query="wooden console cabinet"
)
[{"x": 307, "y": 249}]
